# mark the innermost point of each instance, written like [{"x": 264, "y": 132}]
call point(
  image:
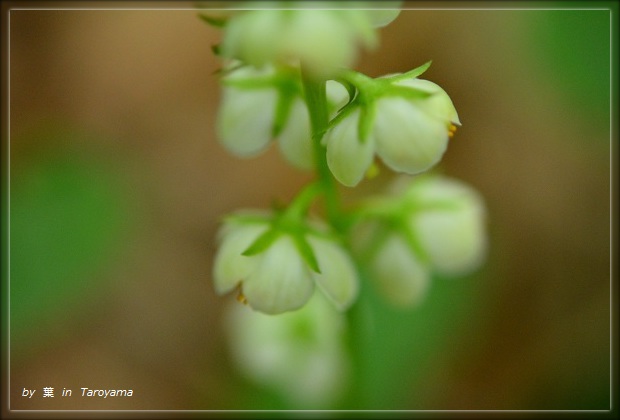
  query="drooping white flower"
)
[
  {"x": 450, "y": 224},
  {"x": 278, "y": 278},
  {"x": 299, "y": 354},
  {"x": 399, "y": 274},
  {"x": 323, "y": 40},
  {"x": 247, "y": 117},
  {"x": 409, "y": 132},
  {"x": 432, "y": 224}
]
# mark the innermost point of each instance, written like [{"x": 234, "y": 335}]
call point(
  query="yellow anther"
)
[
  {"x": 240, "y": 296},
  {"x": 451, "y": 130},
  {"x": 372, "y": 171}
]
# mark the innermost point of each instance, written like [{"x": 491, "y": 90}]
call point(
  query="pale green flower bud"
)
[
  {"x": 279, "y": 278},
  {"x": 295, "y": 140},
  {"x": 323, "y": 40},
  {"x": 409, "y": 130},
  {"x": 452, "y": 230},
  {"x": 248, "y": 115},
  {"x": 408, "y": 139},
  {"x": 381, "y": 18},
  {"x": 381, "y": 13},
  {"x": 429, "y": 225},
  {"x": 399, "y": 274},
  {"x": 300, "y": 355},
  {"x": 347, "y": 157},
  {"x": 245, "y": 119}
]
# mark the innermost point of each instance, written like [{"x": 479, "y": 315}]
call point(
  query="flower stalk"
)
[{"x": 316, "y": 101}]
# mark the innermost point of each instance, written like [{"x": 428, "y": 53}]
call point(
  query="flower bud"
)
[
  {"x": 432, "y": 224},
  {"x": 450, "y": 225},
  {"x": 258, "y": 105},
  {"x": 300, "y": 355},
  {"x": 399, "y": 274},
  {"x": 323, "y": 40},
  {"x": 246, "y": 115}
]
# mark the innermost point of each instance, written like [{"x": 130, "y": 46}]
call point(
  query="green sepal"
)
[
  {"x": 342, "y": 114},
  {"x": 282, "y": 112},
  {"x": 411, "y": 74},
  {"x": 216, "y": 22},
  {"x": 411, "y": 239},
  {"x": 261, "y": 243},
  {"x": 351, "y": 90},
  {"x": 406, "y": 92},
  {"x": 366, "y": 121},
  {"x": 215, "y": 49},
  {"x": 306, "y": 251}
]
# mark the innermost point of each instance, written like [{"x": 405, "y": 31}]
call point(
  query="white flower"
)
[
  {"x": 399, "y": 274},
  {"x": 247, "y": 115},
  {"x": 299, "y": 354},
  {"x": 409, "y": 133},
  {"x": 323, "y": 40},
  {"x": 450, "y": 225},
  {"x": 245, "y": 118},
  {"x": 279, "y": 279},
  {"x": 442, "y": 230}
]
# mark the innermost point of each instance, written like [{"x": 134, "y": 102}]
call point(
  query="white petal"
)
[
  {"x": 438, "y": 104},
  {"x": 383, "y": 17},
  {"x": 338, "y": 279},
  {"x": 245, "y": 120},
  {"x": 308, "y": 365},
  {"x": 253, "y": 36},
  {"x": 408, "y": 140},
  {"x": 337, "y": 97},
  {"x": 400, "y": 276},
  {"x": 320, "y": 39},
  {"x": 295, "y": 139},
  {"x": 455, "y": 239},
  {"x": 230, "y": 267},
  {"x": 347, "y": 157},
  {"x": 280, "y": 280}
]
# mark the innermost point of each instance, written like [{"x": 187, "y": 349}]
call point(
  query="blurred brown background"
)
[{"x": 141, "y": 84}]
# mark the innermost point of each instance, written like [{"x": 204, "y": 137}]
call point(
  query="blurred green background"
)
[{"x": 117, "y": 186}]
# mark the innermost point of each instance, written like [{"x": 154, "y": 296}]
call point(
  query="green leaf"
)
[{"x": 67, "y": 220}]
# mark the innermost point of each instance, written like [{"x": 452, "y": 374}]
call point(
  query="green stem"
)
[{"x": 316, "y": 100}]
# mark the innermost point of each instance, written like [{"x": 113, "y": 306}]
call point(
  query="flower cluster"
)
[
  {"x": 286, "y": 78},
  {"x": 274, "y": 260}
]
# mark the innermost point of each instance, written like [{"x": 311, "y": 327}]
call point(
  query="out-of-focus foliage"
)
[
  {"x": 573, "y": 51},
  {"x": 67, "y": 211}
]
